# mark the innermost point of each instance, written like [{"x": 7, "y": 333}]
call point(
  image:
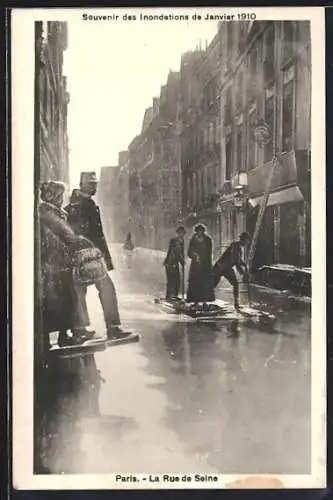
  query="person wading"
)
[
  {"x": 84, "y": 217},
  {"x": 200, "y": 284},
  {"x": 232, "y": 257},
  {"x": 174, "y": 258}
]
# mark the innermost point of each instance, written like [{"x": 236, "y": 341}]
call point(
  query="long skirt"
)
[
  {"x": 173, "y": 281},
  {"x": 200, "y": 284}
]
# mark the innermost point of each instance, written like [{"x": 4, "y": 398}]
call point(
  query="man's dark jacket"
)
[
  {"x": 231, "y": 257},
  {"x": 175, "y": 253},
  {"x": 84, "y": 217}
]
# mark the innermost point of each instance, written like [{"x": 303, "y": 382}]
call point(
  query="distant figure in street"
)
[
  {"x": 128, "y": 250},
  {"x": 232, "y": 257},
  {"x": 174, "y": 258},
  {"x": 200, "y": 284},
  {"x": 84, "y": 217}
]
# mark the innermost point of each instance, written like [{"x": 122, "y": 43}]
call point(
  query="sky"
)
[{"x": 113, "y": 71}]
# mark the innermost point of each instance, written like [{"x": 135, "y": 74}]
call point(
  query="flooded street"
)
[{"x": 195, "y": 398}]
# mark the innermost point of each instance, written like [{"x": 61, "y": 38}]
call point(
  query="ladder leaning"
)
[{"x": 260, "y": 218}]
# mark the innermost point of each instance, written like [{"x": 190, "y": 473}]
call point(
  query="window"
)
[
  {"x": 51, "y": 115},
  {"x": 217, "y": 131},
  {"x": 242, "y": 30},
  {"x": 269, "y": 119},
  {"x": 213, "y": 132},
  {"x": 199, "y": 179},
  {"x": 229, "y": 48},
  {"x": 239, "y": 148},
  {"x": 211, "y": 136},
  {"x": 288, "y": 108},
  {"x": 253, "y": 73},
  {"x": 228, "y": 105},
  {"x": 188, "y": 192},
  {"x": 251, "y": 141},
  {"x": 288, "y": 39},
  {"x": 213, "y": 179},
  {"x": 269, "y": 63},
  {"x": 228, "y": 157},
  {"x": 194, "y": 191},
  {"x": 239, "y": 91},
  {"x": 203, "y": 189}
]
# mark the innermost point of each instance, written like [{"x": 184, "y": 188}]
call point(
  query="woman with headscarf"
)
[
  {"x": 61, "y": 311},
  {"x": 200, "y": 283}
]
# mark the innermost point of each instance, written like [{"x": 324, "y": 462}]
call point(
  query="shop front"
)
[{"x": 282, "y": 237}]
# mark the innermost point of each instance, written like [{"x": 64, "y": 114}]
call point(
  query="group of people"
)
[
  {"x": 204, "y": 276},
  {"x": 74, "y": 255}
]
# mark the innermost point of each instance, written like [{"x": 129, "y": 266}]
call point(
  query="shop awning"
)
[{"x": 288, "y": 195}]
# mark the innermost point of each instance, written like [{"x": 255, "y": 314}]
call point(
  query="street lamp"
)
[{"x": 239, "y": 190}]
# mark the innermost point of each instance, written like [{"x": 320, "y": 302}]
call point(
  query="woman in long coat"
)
[
  {"x": 200, "y": 283},
  {"x": 60, "y": 308}
]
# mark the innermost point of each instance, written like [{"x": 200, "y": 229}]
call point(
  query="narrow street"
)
[{"x": 196, "y": 398}]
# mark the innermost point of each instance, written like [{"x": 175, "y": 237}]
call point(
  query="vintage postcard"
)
[{"x": 169, "y": 323}]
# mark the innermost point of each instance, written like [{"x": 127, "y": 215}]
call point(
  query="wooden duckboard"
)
[{"x": 224, "y": 311}]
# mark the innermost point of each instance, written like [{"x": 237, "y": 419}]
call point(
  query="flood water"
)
[{"x": 195, "y": 398}]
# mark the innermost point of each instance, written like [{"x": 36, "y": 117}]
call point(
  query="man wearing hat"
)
[
  {"x": 232, "y": 257},
  {"x": 85, "y": 219},
  {"x": 174, "y": 257}
]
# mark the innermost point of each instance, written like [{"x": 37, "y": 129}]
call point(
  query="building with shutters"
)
[
  {"x": 266, "y": 75},
  {"x": 51, "y": 102}
]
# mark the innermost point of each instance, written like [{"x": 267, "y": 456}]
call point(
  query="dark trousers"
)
[
  {"x": 107, "y": 297},
  {"x": 230, "y": 275},
  {"x": 173, "y": 281}
]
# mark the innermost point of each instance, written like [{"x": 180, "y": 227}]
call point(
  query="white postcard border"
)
[{"x": 22, "y": 55}]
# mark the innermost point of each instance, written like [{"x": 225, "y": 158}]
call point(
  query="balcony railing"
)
[{"x": 285, "y": 174}]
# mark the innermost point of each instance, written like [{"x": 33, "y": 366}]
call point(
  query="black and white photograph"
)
[{"x": 168, "y": 248}]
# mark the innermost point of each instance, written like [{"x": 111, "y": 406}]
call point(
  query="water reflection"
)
[
  {"x": 246, "y": 392},
  {"x": 72, "y": 389}
]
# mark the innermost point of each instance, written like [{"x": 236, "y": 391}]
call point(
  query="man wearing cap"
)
[
  {"x": 232, "y": 257},
  {"x": 85, "y": 219},
  {"x": 174, "y": 257}
]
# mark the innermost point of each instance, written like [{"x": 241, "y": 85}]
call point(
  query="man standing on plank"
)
[
  {"x": 174, "y": 258},
  {"x": 84, "y": 217}
]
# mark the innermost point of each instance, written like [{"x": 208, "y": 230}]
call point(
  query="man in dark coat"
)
[
  {"x": 174, "y": 258},
  {"x": 200, "y": 283},
  {"x": 232, "y": 257},
  {"x": 84, "y": 217}
]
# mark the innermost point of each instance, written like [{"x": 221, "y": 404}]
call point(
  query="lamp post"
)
[{"x": 239, "y": 199}]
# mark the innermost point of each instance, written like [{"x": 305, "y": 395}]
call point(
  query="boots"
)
[{"x": 81, "y": 335}]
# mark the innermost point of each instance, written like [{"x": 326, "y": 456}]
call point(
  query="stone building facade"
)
[
  {"x": 154, "y": 170},
  {"x": 52, "y": 101},
  {"x": 50, "y": 139},
  {"x": 201, "y": 137},
  {"x": 250, "y": 72},
  {"x": 266, "y": 75}
]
